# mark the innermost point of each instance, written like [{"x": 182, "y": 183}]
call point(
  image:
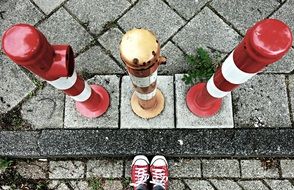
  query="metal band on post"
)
[
  {"x": 265, "y": 43},
  {"x": 28, "y": 47},
  {"x": 140, "y": 51}
]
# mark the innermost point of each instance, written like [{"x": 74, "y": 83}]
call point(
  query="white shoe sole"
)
[
  {"x": 159, "y": 158},
  {"x": 140, "y": 157}
]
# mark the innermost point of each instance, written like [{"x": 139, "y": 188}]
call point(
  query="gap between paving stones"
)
[{"x": 222, "y": 143}]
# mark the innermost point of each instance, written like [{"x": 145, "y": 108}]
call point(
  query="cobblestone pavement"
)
[
  {"x": 94, "y": 29},
  {"x": 185, "y": 174}
]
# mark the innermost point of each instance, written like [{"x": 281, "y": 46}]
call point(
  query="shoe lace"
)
[
  {"x": 141, "y": 176},
  {"x": 158, "y": 177}
]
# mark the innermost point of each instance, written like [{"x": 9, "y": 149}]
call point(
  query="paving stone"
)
[
  {"x": 176, "y": 185},
  {"x": 176, "y": 62},
  {"x": 112, "y": 184},
  {"x": 225, "y": 184},
  {"x": 254, "y": 169},
  {"x": 184, "y": 168},
  {"x": 62, "y": 28},
  {"x": 186, "y": 119},
  {"x": 253, "y": 185},
  {"x": 18, "y": 11},
  {"x": 262, "y": 102},
  {"x": 14, "y": 85},
  {"x": 66, "y": 169},
  {"x": 95, "y": 61},
  {"x": 286, "y": 65},
  {"x": 207, "y": 30},
  {"x": 73, "y": 119},
  {"x": 128, "y": 166},
  {"x": 165, "y": 120},
  {"x": 48, "y": 6},
  {"x": 68, "y": 185},
  {"x": 287, "y": 168},
  {"x": 187, "y": 8},
  {"x": 32, "y": 170},
  {"x": 146, "y": 14},
  {"x": 19, "y": 144},
  {"x": 45, "y": 110},
  {"x": 235, "y": 12},
  {"x": 284, "y": 14},
  {"x": 110, "y": 40},
  {"x": 97, "y": 14},
  {"x": 199, "y": 184},
  {"x": 279, "y": 184},
  {"x": 105, "y": 168},
  {"x": 220, "y": 168},
  {"x": 291, "y": 90}
]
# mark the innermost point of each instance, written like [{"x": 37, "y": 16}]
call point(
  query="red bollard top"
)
[
  {"x": 28, "y": 47},
  {"x": 268, "y": 41}
]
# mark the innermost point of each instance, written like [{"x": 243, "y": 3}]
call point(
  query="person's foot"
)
[
  {"x": 140, "y": 171},
  {"x": 159, "y": 172}
]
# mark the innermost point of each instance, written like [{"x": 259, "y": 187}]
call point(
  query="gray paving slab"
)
[
  {"x": 221, "y": 168},
  {"x": 62, "y": 28},
  {"x": 186, "y": 119},
  {"x": 253, "y": 185},
  {"x": 153, "y": 15},
  {"x": 286, "y": 65},
  {"x": 73, "y": 119},
  {"x": 96, "y": 61},
  {"x": 287, "y": 168},
  {"x": 165, "y": 120},
  {"x": 14, "y": 85},
  {"x": 104, "y": 168},
  {"x": 243, "y": 14},
  {"x": 176, "y": 62},
  {"x": 112, "y": 184},
  {"x": 262, "y": 102},
  {"x": 97, "y": 14},
  {"x": 225, "y": 184},
  {"x": 110, "y": 40},
  {"x": 184, "y": 168},
  {"x": 291, "y": 93},
  {"x": 187, "y": 8},
  {"x": 45, "y": 110},
  {"x": 32, "y": 170},
  {"x": 176, "y": 185},
  {"x": 279, "y": 184},
  {"x": 284, "y": 13},
  {"x": 48, "y": 6},
  {"x": 68, "y": 185},
  {"x": 207, "y": 30},
  {"x": 18, "y": 11},
  {"x": 254, "y": 169},
  {"x": 66, "y": 169},
  {"x": 199, "y": 184}
]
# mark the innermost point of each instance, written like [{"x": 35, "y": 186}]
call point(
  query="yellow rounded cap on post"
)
[{"x": 140, "y": 51}]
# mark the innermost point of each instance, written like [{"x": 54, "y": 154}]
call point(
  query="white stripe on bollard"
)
[
  {"x": 146, "y": 96},
  {"x": 144, "y": 81},
  {"x": 64, "y": 83},
  {"x": 214, "y": 91},
  {"x": 232, "y": 73},
  {"x": 84, "y": 95}
]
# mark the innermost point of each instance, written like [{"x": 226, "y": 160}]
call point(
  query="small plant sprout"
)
[
  {"x": 201, "y": 67},
  {"x": 4, "y": 163}
]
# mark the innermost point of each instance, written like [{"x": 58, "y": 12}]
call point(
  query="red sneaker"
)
[
  {"x": 140, "y": 171},
  {"x": 159, "y": 172}
]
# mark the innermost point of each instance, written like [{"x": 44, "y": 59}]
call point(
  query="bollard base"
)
[
  {"x": 101, "y": 108},
  {"x": 195, "y": 108},
  {"x": 148, "y": 113}
]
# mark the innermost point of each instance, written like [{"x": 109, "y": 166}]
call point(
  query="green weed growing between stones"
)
[
  {"x": 201, "y": 67},
  {"x": 4, "y": 163},
  {"x": 95, "y": 183}
]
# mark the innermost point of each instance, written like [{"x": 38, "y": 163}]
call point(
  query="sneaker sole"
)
[
  {"x": 140, "y": 157},
  {"x": 159, "y": 158}
]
